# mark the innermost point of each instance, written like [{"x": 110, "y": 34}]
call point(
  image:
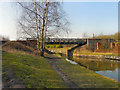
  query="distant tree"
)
[
  {"x": 85, "y": 35},
  {"x": 104, "y": 45},
  {"x": 115, "y": 36},
  {"x": 4, "y": 38}
]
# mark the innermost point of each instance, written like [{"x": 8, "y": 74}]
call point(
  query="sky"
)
[
  {"x": 92, "y": 17},
  {"x": 85, "y": 17},
  {"x": 8, "y": 20}
]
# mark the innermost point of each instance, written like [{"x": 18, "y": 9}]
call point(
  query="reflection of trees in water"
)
[{"x": 97, "y": 65}]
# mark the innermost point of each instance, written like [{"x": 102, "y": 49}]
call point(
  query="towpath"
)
[{"x": 52, "y": 61}]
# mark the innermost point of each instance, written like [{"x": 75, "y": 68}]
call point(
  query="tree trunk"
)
[
  {"x": 46, "y": 24},
  {"x": 39, "y": 31},
  {"x": 36, "y": 25},
  {"x": 43, "y": 27}
]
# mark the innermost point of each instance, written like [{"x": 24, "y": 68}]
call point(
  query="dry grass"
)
[
  {"x": 116, "y": 49},
  {"x": 13, "y": 47}
]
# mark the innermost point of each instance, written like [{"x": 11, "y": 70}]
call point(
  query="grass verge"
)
[
  {"x": 33, "y": 71},
  {"x": 96, "y": 53}
]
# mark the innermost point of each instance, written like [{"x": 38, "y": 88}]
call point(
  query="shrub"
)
[{"x": 104, "y": 45}]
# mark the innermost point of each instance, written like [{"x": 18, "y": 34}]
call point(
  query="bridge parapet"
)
[
  {"x": 61, "y": 40},
  {"x": 64, "y": 41},
  {"x": 70, "y": 51}
]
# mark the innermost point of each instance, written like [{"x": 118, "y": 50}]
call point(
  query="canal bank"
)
[
  {"x": 111, "y": 57},
  {"x": 102, "y": 66},
  {"x": 83, "y": 77}
]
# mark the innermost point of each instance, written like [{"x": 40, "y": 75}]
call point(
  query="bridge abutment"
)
[
  {"x": 96, "y": 43},
  {"x": 70, "y": 54},
  {"x": 70, "y": 51}
]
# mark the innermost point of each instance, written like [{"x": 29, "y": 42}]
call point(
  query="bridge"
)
[
  {"x": 62, "y": 40},
  {"x": 92, "y": 43}
]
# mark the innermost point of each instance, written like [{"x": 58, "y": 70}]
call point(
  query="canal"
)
[{"x": 105, "y": 67}]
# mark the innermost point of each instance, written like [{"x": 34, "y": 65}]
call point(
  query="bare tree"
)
[
  {"x": 43, "y": 28},
  {"x": 36, "y": 25},
  {"x": 4, "y": 38},
  {"x": 85, "y": 35},
  {"x": 40, "y": 19}
]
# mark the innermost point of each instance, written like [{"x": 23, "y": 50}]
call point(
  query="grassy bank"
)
[
  {"x": 81, "y": 51},
  {"x": 95, "y": 53},
  {"x": 85, "y": 78},
  {"x": 33, "y": 71},
  {"x": 36, "y": 72},
  {"x": 84, "y": 50}
]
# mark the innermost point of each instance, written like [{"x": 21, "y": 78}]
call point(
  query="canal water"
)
[{"x": 105, "y": 67}]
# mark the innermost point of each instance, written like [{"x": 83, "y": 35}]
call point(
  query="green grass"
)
[
  {"x": 64, "y": 48},
  {"x": 34, "y": 71},
  {"x": 54, "y": 46},
  {"x": 94, "y": 53},
  {"x": 59, "y": 54},
  {"x": 97, "y": 53},
  {"x": 85, "y": 78}
]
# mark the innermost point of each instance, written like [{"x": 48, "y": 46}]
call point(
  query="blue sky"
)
[
  {"x": 92, "y": 17},
  {"x": 89, "y": 17}
]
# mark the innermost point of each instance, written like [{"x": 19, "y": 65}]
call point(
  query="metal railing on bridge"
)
[
  {"x": 62, "y": 40},
  {"x": 65, "y": 40}
]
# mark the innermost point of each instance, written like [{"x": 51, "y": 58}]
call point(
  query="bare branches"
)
[
  {"x": 41, "y": 20},
  {"x": 29, "y": 9}
]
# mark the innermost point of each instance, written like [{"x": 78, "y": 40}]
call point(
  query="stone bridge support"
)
[
  {"x": 70, "y": 51},
  {"x": 95, "y": 43},
  {"x": 70, "y": 54}
]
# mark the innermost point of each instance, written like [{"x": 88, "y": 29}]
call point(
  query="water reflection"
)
[{"x": 104, "y": 67}]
